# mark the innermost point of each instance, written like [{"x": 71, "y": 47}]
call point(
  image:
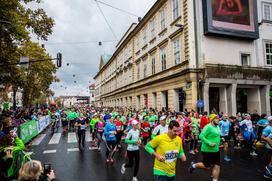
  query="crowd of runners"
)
[{"x": 163, "y": 134}]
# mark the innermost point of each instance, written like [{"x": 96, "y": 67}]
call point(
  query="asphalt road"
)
[{"x": 70, "y": 164}]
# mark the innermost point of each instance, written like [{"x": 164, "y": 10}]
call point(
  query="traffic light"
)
[{"x": 59, "y": 59}]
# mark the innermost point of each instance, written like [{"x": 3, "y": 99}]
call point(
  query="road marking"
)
[
  {"x": 72, "y": 149},
  {"x": 72, "y": 138},
  {"x": 49, "y": 151},
  {"x": 55, "y": 139},
  {"x": 88, "y": 137},
  {"x": 39, "y": 139},
  {"x": 93, "y": 148}
]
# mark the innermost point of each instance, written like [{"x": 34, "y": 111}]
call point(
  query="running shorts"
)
[{"x": 211, "y": 158}]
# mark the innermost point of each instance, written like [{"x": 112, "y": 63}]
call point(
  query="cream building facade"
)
[{"x": 168, "y": 61}]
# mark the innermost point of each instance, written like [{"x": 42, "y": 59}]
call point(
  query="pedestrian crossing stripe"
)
[
  {"x": 72, "y": 138},
  {"x": 49, "y": 151},
  {"x": 72, "y": 149},
  {"x": 38, "y": 140},
  {"x": 55, "y": 139}
]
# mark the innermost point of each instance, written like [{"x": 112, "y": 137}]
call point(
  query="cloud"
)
[{"x": 81, "y": 21}]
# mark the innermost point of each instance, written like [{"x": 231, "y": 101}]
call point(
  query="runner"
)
[
  {"x": 267, "y": 136},
  {"x": 120, "y": 129},
  {"x": 224, "y": 126},
  {"x": 210, "y": 137},
  {"x": 195, "y": 135},
  {"x": 161, "y": 128},
  {"x": 110, "y": 133},
  {"x": 93, "y": 121},
  {"x": 64, "y": 122},
  {"x": 166, "y": 148},
  {"x": 133, "y": 154},
  {"x": 81, "y": 123},
  {"x": 248, "y": 134},
  {"x": 99, "y": 127},
  {"x": 145, "y": 130}
]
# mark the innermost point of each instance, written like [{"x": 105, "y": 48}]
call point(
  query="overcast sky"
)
[{"x": 79, "y": 26}]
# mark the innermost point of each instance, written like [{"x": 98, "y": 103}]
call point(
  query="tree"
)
[
  {"x": 39, "y": 75},
  {"x": 17, "y": 21}
]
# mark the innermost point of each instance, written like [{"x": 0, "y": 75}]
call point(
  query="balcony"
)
[{"x": 237, "y": 72}]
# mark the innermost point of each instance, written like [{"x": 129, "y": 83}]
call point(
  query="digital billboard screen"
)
[{"x": 231, "y": 17}]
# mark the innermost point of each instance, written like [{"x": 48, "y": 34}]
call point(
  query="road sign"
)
[
  {"x": 24, "y": 62},
  {"x": 200, "y": 103}
]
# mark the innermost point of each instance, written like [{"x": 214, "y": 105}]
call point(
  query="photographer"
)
[{"x": 33, "y": 171}]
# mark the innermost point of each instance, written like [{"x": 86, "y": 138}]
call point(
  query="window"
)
[
  {"x": 245, "y": 58},
  {"x": 152, "y": 24},
  {"x": 153, "y": 65},
  {"x": 175, "y": 9},
  {"x": 162, "y": 19},
  {"x": 268, "y": 53},
  {"x": 145, "y": 70},
  {"x": 267, "y": 11},
  {"x": 144, "y": 36},
  {"x": 138, "y": 71},
  {"x": 138, "y": 42},
  {"x": 176, "y": 51},
  {"x": 163, "y": 58}
]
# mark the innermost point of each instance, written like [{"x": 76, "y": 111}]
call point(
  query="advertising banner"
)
[{"x": 28, "y": 130}]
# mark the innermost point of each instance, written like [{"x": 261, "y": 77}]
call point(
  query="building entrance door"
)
[
  {"x": 241, "y": 100},
  {"x": 214, "y": 98}
]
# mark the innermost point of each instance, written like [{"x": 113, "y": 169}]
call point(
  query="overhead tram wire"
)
[
  {"x": 124, "y": 11},
  {"x": 106, "y": 20},
  {"x": 86, "y": 42}
]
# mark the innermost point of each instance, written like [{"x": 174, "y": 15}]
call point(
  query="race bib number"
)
[
  {"x": 82, "y": 127},
  {"x": 118, "y": 128},
  {"x": 171, "y": 156}
]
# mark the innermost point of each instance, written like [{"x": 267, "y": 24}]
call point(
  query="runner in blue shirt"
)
[
  {"x": 267, "y": 136},
  {"x": 224, "y": 126},
  {"x": 110, "y": 134},
  {"x": 262, "y": 123}
]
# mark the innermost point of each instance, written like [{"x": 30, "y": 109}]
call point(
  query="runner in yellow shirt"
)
[{"x": 166, "y": 148}]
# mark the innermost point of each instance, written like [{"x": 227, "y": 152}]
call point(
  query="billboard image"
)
[{"x": 231, "y": 17}]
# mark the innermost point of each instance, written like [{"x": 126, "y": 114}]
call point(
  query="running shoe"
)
[
  {"x": 134, "y": 179},
  {"x": 112, "y": 161},
  {"x": 123, "y": 169},
  {"x": 267, "y": 176},
  {"x": 253, "y": 153},
  {"x": 192, "y": 152},
  {"x": 227, "y": 159},
  {"x": 108, "y": 161},
  {"x": 191, "y": 168},
  {"x": 98, "y": 149},
  {"x": 269, "y": 169}
]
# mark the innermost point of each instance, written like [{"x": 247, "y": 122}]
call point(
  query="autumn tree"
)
[{"x": 17, "y": 22}]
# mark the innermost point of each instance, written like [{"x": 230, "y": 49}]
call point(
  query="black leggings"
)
[
  {"x": 133, "y": 155},
  {"x": 194, "y": 142},
  {"x": 81, "y": 137},
  {"x": 119, "y": 137},
  {"x": 111, "y": 145}
]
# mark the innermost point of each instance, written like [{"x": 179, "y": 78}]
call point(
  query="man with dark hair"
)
[{"x": 166, "y": 148}]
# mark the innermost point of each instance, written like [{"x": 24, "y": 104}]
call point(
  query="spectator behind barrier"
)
[{"x": 33, "y": 171}]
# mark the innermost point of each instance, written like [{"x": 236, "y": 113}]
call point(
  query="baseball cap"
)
[
  {"x": 134, "y": 122},
  {"x": 269, "y": 118},
  {"x": 162, "y": 118},
  {"x": 213, "y": 117}
]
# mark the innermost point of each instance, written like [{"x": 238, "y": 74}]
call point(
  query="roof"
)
[
  {"x": 104, "y": 60},
  {"x": 92, "y": 85}
]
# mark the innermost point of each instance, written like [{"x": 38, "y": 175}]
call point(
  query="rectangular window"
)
[
  {"x": 176, "y": 51},
  {"x": 144, "y": 36},
  {"x": 267, "y": 11},
  {"x": 138, "y": 71},
  {"x": 175, "y": 9},
  {"x": 145, "y": 70},
  {"x": 268, "y": 53},
  {"x": 138, "y": 42},
  {"x": 153, "y": 65},
  {"x": 163, "y": 58},
  {"x": 152, "y": 25},
  {"x": 245, "y": 58},
  {"x": 162, "y": 19}
]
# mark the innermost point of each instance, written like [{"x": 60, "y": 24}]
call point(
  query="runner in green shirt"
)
[{"x": 210, "y": 137}]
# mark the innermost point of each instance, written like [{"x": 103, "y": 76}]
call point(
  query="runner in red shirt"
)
[
  {"x": 145, "y": 130},
  {"x": 120, "y": 129},
  {"x": 204, "y": 120}
]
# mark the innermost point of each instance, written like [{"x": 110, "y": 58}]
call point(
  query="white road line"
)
[
  {"x": 49, "y": 151},
  {"x": 39, "y": 139},
  {"x": 93, "y": 148},
  {"x": 72, "y": 149},
  {"x": 55, "y": 139},
  {"x": 72, "y": 138},
  {"x": 88, "y": 136}
]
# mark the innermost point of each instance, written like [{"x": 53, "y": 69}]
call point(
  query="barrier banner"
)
[{"x": 28, "y": 130}]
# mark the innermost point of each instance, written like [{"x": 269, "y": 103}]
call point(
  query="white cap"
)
[
  {"x": 162, "y": 118},
  {"x": 134, "y": 122},
  {"x": 269, "y": 118}
]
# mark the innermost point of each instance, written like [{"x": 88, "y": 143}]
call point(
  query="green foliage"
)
[{"x": 17, "y": 22}]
